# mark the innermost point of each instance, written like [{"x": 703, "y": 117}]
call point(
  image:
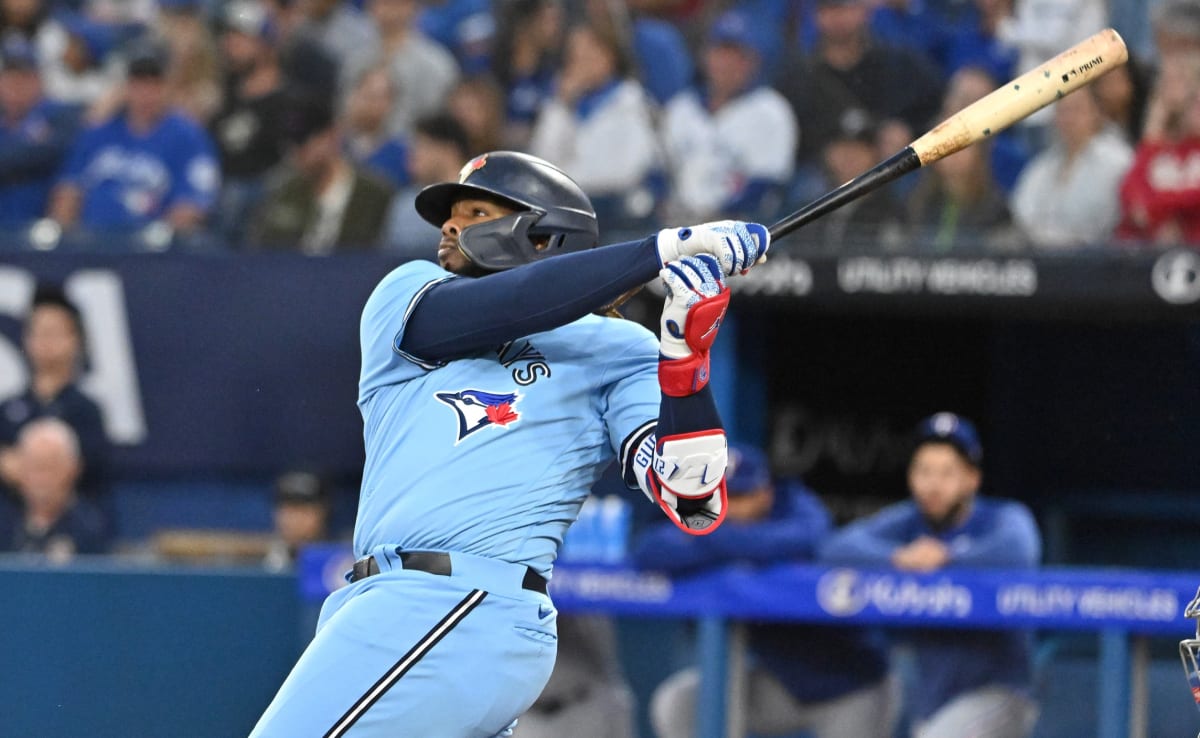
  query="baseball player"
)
[
  {"x": 492, "y": 398},
  {"x": 968, "y": 683}
]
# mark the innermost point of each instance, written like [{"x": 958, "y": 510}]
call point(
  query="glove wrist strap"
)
[{"x": 683, "y": 377}]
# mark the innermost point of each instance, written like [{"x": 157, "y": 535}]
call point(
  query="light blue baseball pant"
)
[{"x": 413, "y": 654}]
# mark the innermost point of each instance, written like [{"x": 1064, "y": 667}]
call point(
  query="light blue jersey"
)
[
  {"x": 484, "y": 461},
  {"x": 492, "y": 455}
]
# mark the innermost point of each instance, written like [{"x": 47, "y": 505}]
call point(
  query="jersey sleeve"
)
[
  {"x": 383, "y": 322},
  {"x": 195, "y": 174},
  {"x": 631, "y": 393},
  {"x": 78, "y": 157}
]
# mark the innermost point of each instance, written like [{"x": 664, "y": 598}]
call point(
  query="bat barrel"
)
[
  {"x": 1037, "y": 88},
  {"x": 879, "y": 175}
]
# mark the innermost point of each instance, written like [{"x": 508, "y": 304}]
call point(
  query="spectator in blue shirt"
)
[
  {"x": 967, "y": 682},
  {"x": 146, "y": 164},
  {"x": 830, "y": 681},
  {"x": 34, "y": 135}
]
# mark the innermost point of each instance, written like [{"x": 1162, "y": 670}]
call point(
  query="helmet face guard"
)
[
  {"x": 553, "y": 215},
  {"x": 1189, "y": 649},
  {"x": 525, "y": 237}
]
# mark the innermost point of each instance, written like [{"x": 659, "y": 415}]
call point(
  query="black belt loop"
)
[{"x": 435, "y": 562}]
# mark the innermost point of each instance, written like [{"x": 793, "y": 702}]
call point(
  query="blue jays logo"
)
[{"x": 478, "y": 409}]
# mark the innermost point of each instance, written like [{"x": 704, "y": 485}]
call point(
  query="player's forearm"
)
[
  {"x": 462, "y": 316},
  {"x": 1015, "y": 543},
  {"x": 857, "y": 546}
]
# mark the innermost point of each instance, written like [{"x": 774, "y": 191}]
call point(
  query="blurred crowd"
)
[{"x": 309, "y": 125}]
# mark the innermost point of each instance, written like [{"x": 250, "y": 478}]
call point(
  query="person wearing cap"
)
[
  {"x": 849, "y": 68},
  {"x": 301, "y": 515},
  {"x": 966, "y": 682},
  {"x": 830, "y": 681},
  {"x": 323, "y": 202},
  {"x": 732, "y": 140},
  {"x": 146, "y": 164},
  {"x": 35, "y": 134},
  {"x": 246, "y": 128},
  {"x": 870, "y": 222}
]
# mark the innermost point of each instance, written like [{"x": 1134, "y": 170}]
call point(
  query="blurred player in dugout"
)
[
  {"x": 965, "y": 682},
  {"x": 830, "y": 681},
  {"x": 302, "y": 508}
]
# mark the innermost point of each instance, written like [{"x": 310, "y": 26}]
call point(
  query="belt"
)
[{"x": 435, "y": 562}]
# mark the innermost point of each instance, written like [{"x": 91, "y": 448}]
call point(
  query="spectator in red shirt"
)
[{"x": 1160, "y": 197}]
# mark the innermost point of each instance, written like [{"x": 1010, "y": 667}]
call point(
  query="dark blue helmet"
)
[{"x": 550, "y": 207}]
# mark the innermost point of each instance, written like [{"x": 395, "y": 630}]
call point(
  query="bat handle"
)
[{"x": 893, "y": 168}]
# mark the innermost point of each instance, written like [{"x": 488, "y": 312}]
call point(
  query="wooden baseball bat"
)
[{"x": 999, "y": 109}]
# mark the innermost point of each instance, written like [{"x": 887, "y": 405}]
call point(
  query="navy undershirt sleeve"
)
[
  {"x": 690, "y": 414},
  {"x": 462, "y": 316}
]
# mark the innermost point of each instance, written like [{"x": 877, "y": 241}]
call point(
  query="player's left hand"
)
[{"x": 696, "y": 301}]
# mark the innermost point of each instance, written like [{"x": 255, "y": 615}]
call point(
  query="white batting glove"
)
[
  {"x": 735, "y": 244},
  {"x": 695, "y": 305}
]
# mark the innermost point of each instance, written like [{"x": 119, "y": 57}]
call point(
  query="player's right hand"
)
[
  {"x": 695, "y": 305},
  {"x": 736, "y": 245}
]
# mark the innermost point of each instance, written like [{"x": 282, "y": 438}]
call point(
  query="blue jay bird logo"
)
[{"x": 478, "y": 409}]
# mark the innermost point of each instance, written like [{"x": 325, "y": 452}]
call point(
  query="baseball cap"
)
[
  {"x": 747, "y": 469},
  {"x": 855, "y": 124},
  {"x": 735, "y": 28},
  {"x": 304, "y": 116},
  {"x": 301, "y": 487},
  {"x": 16, "y": 52},
  {"x": 248, "y": 17},
  {"x": 147, "y": 59},
  {"x": 97, "y": 38},
  {"x": 953, "y": 430}
]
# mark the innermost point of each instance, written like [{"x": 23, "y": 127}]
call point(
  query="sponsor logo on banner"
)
[
  {"x": 1176, "y": 277},
  {"x": 779, "y": 276},
  {"x": 855, "y": 446},
  {"x": 1091, "y": 602},
  {"x": 906, "y": 275},
  {"x": 605, "y": 584},
  {"x": 847, "y": 592}
]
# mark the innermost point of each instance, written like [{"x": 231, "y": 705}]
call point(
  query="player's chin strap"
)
[{"x": 685, "y": 475}]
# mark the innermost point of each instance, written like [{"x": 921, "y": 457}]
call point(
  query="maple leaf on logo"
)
[{"x": 501, "y": 414}]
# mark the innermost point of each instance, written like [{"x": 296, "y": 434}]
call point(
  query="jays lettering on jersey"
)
[
  {"x": 130, "y": 179},
  {"x": 492, "y": 454}
]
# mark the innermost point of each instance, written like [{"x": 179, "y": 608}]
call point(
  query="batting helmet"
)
[{"x": 550, "y": 207}]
